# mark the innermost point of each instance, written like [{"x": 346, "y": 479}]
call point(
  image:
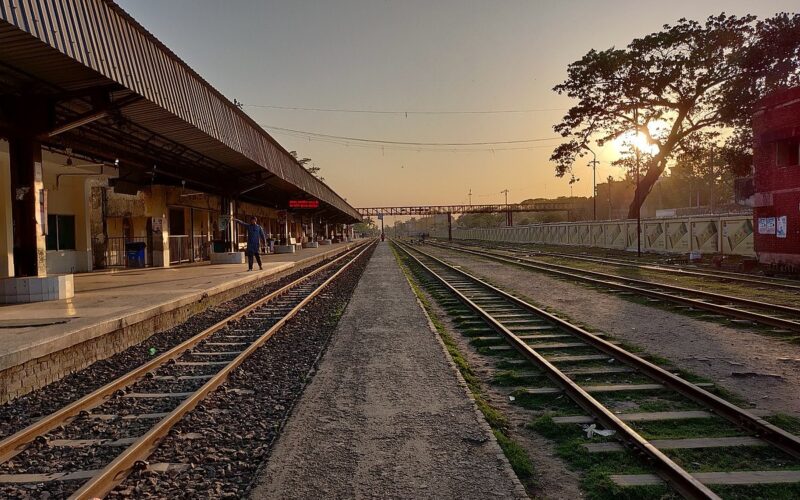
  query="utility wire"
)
[
  {"x": 303, "y": 133},
  {"x": 388, "y": 147},
  {"x": 406, "y": 113}
]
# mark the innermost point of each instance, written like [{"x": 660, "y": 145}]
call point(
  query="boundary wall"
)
[{"x": 729, "y": 234}]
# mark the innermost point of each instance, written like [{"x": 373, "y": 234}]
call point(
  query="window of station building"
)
[
  {"x": 787, "y": 152},
  {"x": 60, "y": 232},
  {"x": 177, "y": 223}
]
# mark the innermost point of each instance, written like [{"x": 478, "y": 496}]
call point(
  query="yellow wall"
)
[{"x": 68, "y": 195}]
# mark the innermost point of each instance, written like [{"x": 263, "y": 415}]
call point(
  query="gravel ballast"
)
[
  {"x": 763, "y": 370},
  {"x": 280, "y": 377},
  {"x": 230, "y": 434},
  {"x": 22, "y": 411}
]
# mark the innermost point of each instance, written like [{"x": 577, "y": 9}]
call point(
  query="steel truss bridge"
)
[
  {"x": 449, "y": 210},
  {"x": 547, "y": 206}
]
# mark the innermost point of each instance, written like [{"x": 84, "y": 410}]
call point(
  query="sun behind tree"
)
[{"x": 693, "y": 77}]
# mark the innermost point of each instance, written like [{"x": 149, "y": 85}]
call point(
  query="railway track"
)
[
  {"x": 134, "y": 413},
  {"x": 576, "y": 362},
  {"x": 725, "y": 276},
  {"x": 784, "y": 318}
]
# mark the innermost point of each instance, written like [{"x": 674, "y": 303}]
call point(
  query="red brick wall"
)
[{"x": 777, "y": 118}]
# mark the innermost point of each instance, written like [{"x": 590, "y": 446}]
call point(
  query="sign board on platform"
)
[
  {"x": 304, "y": 204},
  {"x": 380, "y": 216},
  {"x": 282, "y": 216}
]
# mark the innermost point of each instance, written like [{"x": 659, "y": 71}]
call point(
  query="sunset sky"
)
[{"x": 414, "y": 55}]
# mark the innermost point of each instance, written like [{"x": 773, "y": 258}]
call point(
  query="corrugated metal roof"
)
[{"x": 111, "y": 46}]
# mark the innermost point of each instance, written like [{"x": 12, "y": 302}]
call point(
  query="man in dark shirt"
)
[{"x": 255, "y": 235}]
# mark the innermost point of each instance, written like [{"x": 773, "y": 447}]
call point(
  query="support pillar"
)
[
  {"x": 6, "y": 233},
  {"x": 230, "y": 233},
  {"x": 28, "y": 210}
]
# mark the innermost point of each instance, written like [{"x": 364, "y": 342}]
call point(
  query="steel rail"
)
[
  {"x": 119, "y": 469},
  {"x": 20, "y": 440},
  {"x": 672, "y": 473},
  {"x": 721, "y": 275},
  {"x": 570, "y": 272},
  {"x": 772, "y": 434}
]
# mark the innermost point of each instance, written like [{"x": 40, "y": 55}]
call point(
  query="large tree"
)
[
  {"x": 307, "y": 164},
  {"x": 688, "y": 79}
]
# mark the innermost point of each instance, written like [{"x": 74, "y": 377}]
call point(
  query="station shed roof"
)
[{"x": 112, "y": 90}]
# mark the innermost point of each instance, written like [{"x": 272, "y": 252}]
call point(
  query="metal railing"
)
[
  {"x": 180, "y": 250},
  {"x": 114, "y": 250},
  {"x": 185, "y": 248},
  {"x": 201, "y": 248}
]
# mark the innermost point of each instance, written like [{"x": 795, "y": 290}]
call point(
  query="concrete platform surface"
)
[
  {"x": 387, "y": 415},
  {"x": 106, "y": 301}
]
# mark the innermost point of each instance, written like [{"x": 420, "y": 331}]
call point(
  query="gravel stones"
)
[
  {"x": 21, "y": 412},
  {"x": 228, "y": 437},
  {"x": 219, "y": 452}
]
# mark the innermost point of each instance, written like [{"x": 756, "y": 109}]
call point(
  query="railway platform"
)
[
  {"x": 387, "y": 415},
  {"x": 41, "y": 342}
]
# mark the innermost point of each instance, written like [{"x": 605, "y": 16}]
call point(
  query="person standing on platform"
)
[{"x": 255, "y": 235}]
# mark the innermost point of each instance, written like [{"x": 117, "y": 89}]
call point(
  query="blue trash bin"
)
[{"x": 134, "y": 253}]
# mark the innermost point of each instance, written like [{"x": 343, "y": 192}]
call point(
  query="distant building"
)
[{"x": 776, "y": 203}]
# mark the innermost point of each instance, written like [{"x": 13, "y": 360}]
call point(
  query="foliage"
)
[
  {"x": 366, "y": 226},
  {"x": 673, "y": 85},
  {"x": 307, "y": 164}
]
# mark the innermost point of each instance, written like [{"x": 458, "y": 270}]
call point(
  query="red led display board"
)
[{"x": 303, "y": 203}]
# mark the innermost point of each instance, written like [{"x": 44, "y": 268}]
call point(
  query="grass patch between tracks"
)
[
  {"x": 597, "y": 468},
  {"x": 516, "y": 455}
]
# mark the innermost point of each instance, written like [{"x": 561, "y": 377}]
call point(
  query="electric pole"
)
[
  {"x": 638, "y": 167},
  {"x": 509, "y": 221},
  {"x": 593, "y": 164},
  {"x": 470, "y": 196}
]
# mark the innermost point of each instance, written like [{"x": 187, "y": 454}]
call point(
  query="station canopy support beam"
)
[{"x": 27, "y": 119}]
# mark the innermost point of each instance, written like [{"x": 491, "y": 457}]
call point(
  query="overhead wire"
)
[
  {"x": 411, "y": 144},
  {"x": 406, "y": 112},
  {"x": 383, "y": 147}
]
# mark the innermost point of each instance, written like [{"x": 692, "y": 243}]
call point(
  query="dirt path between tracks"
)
[
  {"x": 763, "y": 370},
  {"x": 385, "y": 416}
]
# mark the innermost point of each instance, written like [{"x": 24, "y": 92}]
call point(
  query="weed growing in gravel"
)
[
  {"x": 738, "y": 458},
  {"x": 597, "y": 467},
  {"x": 749, "y": 492},
  {"x": 686, "y": 428},
  {"x": 517, "y": 456},
  {"x": 785, "y": 422}
]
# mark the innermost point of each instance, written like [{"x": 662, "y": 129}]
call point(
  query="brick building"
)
[{"x": 776, "y": 148}]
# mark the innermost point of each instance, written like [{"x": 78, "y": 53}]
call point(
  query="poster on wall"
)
[
  {"x": 158, "y": 224},
  {"x": 43, "y": 211},
  {"x": 766, "y": 225},
  {"x": 780, "y": 230}
]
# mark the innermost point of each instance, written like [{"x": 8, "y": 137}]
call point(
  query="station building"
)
[
  {"x": 108, "y": 139},
  {"x": 776, "y": 161}
]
